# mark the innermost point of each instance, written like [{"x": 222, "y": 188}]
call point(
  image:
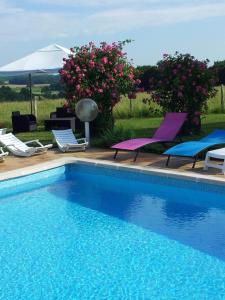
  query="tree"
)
[
  {"x": 219, "y": 67},
  {"x": 7, "y": 94},
  {"x": 102, "y": 73},
  {"x": 24, "y": 94},
  {"x": 46, "y": 92},
  {"x": 149, "y": 76},
  {"x": 185, "y": 85}
]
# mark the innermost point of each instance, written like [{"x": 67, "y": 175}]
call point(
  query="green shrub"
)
[
  {"x": 186, "y": 84},
  {"x": 115, "y": 135},
  {"x": 100, "y": 72}
]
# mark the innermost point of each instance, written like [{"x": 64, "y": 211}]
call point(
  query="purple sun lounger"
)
[{"x": 167, "y": 132}]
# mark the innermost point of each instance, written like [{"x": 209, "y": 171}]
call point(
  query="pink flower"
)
[
  {"x": 78, "y": 87},
  {"x": 198, "y": 88},
  {"x": 66, "y": 104},
  {"x": 137, "y": 81},
  {"x": 91, "y": 64},
  {"x": 157, "y": 99},
  {"x": 114, "y": 95},
  {"x": 140, "y": 90},
  {"x": 196, "y": 121},
  {"x": 179, "y": 94},
  {"x": 104, "y": 60},
  {"x": 130, "y": 76},
  {"x": 202, "y": 66},
  {"x": 132, "y": 95},
  {"x": 120, "y": 67}
]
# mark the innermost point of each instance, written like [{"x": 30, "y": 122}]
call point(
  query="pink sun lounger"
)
[{"x": 167, "y": 132}]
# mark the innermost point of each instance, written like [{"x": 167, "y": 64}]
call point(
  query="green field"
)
[
  {"x": 134, "y": 116},
  {"x": 140, "y": 127},
  {"x": 44, "y": 107},
  {"x": 125, "y": 109},
  {"x": 140, "y": 110}
]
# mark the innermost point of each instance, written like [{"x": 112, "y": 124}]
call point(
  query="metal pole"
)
[
  {"x": 222, "y": 98},
  {"x": 35, "y": 106},
  {"x": 130, "y": 108},
  {"x": 87, "y": 132},
  {"x": 30, "y": 91}
]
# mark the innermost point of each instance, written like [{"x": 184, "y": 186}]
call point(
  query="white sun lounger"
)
[
  {"x": 19, "y": 148},
  {"x": 66, "y": 141},
  {"x": 3, "y": 130},
  {"x": 3, "y": 154},
  {"x": 218, "y": 154}
]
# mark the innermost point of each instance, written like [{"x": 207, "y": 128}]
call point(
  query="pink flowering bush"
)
[
  {"x": 102, "y": 73},
  {"x": 185, "y": 85}
]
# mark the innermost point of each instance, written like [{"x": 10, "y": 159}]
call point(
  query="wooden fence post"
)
[
  {"x": 35, "y": 106},
  {"x": 222, "y": 98}
]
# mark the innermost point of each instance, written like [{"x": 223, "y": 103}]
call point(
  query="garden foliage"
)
[
  {"x": 185, "y": 85},
  {"x": 102, "y": 73}
]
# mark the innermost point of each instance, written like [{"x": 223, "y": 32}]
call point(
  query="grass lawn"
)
[
  {"x": 146, "y": 126},
  {"x": 143, "y": 127},
  {"x": 44, "y": 107},
  {"x": 123, "y": 110},
  {"x": 138, "y": 118}
]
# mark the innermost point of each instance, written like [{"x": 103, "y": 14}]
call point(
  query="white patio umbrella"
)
[{"x": 47, "y": 60}]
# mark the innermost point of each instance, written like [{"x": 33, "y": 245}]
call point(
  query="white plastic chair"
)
[
  {"x": 67, "y": 141},
  {"x": 3, "y": 154},
  {"x": 19, "y": 148},
  {"x": 218, "y": 154},
  {"x": 3, "y": 130}
]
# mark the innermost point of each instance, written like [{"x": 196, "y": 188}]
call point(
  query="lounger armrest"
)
[
  {"x": 2, "y": 152},
  {"x": 34, "y": 141},
  {"x": 82, "y": 140}
]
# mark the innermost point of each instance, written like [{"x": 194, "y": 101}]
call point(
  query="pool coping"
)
[{"x": 190, "y": 176}]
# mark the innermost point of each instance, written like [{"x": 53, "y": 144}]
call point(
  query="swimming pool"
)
[{"x": 88, "y": 232}]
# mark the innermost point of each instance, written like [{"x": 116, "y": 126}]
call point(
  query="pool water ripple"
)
[{"x": 79, "y": 236}]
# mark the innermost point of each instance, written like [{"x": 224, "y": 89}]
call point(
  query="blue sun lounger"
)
[{"x": 194, "y": 148}]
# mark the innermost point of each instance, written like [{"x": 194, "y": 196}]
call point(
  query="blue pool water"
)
[{"x": 86, "y": 232}]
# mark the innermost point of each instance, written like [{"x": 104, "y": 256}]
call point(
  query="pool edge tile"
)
[{"x": 105, "y": 164}]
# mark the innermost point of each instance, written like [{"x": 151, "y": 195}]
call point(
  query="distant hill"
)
[{"x": 36, "y": 79}]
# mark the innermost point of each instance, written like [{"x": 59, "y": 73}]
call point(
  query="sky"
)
[{"x": 155, "y": 26}]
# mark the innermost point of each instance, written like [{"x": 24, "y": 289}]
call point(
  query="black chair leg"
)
[
  {"x": 168, "y": 160},
  {"x": 115, "y": 155},
  {"x": 136, "y": 155},
  {"x": 194, "y": 163}
]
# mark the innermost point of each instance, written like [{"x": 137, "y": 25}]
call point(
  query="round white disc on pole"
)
[{"x": 86, "y": 110}]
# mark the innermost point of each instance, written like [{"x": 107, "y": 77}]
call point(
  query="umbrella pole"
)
[{"x": 30, "y": 91}]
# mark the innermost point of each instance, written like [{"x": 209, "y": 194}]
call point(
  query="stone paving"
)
[{"x": 144, "y": 159}]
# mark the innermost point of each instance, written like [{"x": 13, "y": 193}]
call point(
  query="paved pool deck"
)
[{"x": 146, "y": 160}]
